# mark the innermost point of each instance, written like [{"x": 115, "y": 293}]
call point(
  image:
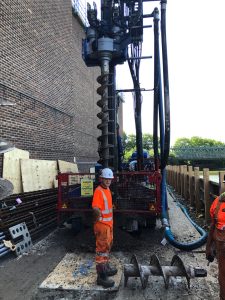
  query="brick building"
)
[{"x": 42, "y": 73}]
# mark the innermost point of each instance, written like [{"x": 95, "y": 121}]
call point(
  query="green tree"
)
[
  {"x": 196, "y": 141},
  {"x": 129, "y": 141},
  {"x": 147, "y": 141},
  {"x": 127, "y": 154},
  {"x": 129, "y": 144}
]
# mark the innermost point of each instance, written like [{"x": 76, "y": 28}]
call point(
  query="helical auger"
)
[
  {"x": 103, "y": 115},
  {"x": 176, "y": 268}
]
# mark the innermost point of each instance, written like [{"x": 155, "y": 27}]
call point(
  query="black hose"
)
[
  {"x": 156, "y": 85},
  {"x": 134, "y": 66},
  {"x": 166, "y": 86},
  {"x": 165, "y": 147}
]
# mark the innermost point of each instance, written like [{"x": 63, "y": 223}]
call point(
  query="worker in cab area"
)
[
  {"x": 216, "y": 239},
  {"x": 103, "y": 228}
]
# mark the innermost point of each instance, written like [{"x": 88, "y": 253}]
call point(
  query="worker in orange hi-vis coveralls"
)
[
  {"x": 103, "y": 228},
  {"x": 216, "y": 239}
]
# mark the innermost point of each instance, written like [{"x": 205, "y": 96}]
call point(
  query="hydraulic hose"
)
[
  {"x": 165, "y": 144},
  {"x": 134, "y": 66},
  {"x": 158, "y": 110},
  {"x": 166, "y": 148},
  {"x": 168, "y": 233},
  {"x": 157, "y": 86},
  {"x": 186, "y": 246}
]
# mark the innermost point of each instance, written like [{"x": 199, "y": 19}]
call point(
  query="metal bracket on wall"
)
[{"x": 20, "y": 232}]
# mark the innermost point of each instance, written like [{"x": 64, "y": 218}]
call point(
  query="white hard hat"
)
[{"x": 107, "y": 173}]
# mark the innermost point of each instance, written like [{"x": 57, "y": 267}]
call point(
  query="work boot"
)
[
  {"x": 110, "y": 270},
  {"x": 102, "y": 278}
]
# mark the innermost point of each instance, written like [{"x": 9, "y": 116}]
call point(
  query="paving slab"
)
[{"x": 76, "y": 273}]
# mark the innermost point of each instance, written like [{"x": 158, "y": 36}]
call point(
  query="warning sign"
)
[{"x": 86, "y": 187}]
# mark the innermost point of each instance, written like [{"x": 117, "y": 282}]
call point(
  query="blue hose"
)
[{"x": 183, "y": 246}]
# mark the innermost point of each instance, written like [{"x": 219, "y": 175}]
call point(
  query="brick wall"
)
[{"x": 43, "y": 74}]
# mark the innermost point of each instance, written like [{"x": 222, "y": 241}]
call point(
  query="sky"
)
[{"x": 196, "y": 59}]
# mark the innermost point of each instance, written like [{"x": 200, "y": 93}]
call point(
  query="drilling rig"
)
[
  {"x": 139, "y": 197},
  {"x": 115, "y": 39}
]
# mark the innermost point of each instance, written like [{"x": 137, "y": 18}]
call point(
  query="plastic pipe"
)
[
  {"x": 3, "y": 249},
  {"x": 4, "y": 253},
  {"x": 2, "y": 245}
]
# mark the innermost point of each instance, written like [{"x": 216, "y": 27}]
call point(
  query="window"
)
[{"x": 80, "y": 10}]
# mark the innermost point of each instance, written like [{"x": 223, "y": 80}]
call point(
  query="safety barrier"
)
[{"x": 197, "y": 191}]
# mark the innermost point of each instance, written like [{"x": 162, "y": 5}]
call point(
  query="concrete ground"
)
[{"x": 21, "y": 277}]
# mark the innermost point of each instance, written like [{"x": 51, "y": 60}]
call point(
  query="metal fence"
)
[{"x": 199, "y": 153}]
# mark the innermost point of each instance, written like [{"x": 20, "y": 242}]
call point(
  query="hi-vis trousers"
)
[
  {"x": 104, "y": 240},
  {"x": 219, "y": 239}
]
